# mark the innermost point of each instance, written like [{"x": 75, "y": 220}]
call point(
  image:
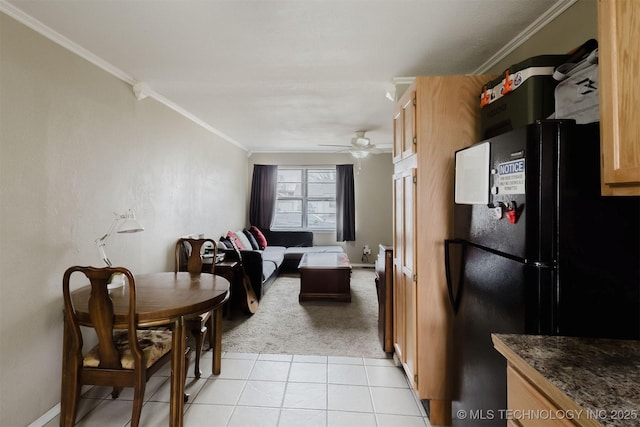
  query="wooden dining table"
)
[{"x": 166, "y": 299}]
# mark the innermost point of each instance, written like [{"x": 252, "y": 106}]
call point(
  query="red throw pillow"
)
[
  {"x": 234, "y": 239},
  {"x": 262, "y": 241}
]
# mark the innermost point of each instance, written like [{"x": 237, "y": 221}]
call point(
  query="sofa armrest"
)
[{"x": 288, "y": 239}]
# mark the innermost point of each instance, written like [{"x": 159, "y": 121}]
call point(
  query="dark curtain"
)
[
  {"x": 345, "y": 204},
  {"x": 263, "y": 195}
]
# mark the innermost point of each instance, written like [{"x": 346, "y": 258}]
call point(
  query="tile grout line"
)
[
  {"x": 284, "y": 394},
  {"x": 373, "y": 403},
  {"x": 244, "y": 387}
]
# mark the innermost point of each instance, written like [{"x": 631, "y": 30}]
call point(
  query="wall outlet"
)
[{"x": 366, "y": 250}]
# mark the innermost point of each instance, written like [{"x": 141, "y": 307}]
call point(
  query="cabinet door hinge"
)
[
  {"x": 415, "y": 277},
  {"x": 415, "y": 379},
  {"x": 415, "y": 101},
  {"x": 415, "y": 179},
  {"x": 415, "y": 140}
]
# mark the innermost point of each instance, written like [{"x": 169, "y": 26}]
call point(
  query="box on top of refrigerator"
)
[{"x": 523, "y": 94}]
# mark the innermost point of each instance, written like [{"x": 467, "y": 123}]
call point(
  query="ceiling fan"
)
[{"x": 360, "y": 146}]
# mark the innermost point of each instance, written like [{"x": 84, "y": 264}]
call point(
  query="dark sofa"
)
[{"x": 283, "y": 252}]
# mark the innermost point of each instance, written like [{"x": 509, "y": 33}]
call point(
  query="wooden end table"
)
[{"x": 325, "y": 276}]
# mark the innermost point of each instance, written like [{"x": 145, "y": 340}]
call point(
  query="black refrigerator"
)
[{"x": 536, "y": 250}]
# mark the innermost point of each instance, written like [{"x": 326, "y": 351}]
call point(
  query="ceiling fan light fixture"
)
[{"x": 359, "y": 154}]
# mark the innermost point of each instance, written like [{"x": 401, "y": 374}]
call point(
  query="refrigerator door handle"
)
[
  {"x": 454, "y": 296},
  {"x": 493, "y": 251}
]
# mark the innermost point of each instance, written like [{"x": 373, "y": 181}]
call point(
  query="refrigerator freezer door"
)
[
  {"x": 479, "y": 223},
  {"x": 522, "y": 188}
]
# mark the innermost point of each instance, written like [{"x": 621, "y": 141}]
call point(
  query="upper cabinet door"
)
[
  {"x": 619, "y": 68},
  {"x": 404, "y": 126},
  {"x": 398, "y": 129},
  {"x": 409, "y": 137}
]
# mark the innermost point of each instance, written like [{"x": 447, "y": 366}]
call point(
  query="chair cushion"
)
[{"x": 154, "y": 343}]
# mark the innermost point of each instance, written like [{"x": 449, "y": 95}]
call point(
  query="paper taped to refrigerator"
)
[
  {"x": 472, "y": 175},
  {"x": 511, "y": 177}
]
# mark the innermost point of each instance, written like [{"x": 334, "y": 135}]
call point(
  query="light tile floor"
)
[{"x": 271, "y": 390}]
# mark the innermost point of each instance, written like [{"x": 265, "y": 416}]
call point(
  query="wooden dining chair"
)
[
  {"x": 189, "y": 258},
  {"x": 117, "y": 360}
]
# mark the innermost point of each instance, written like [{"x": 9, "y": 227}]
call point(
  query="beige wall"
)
[
  {"x": 75, "y": 146},
  {"x": 373, "y": 187},
  {"x": 573, "y": 27}
]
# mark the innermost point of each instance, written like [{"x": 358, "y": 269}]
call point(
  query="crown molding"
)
[
  {"x": 58, "y": 38},
  {"x": 557, "y": 9},
  {"x": 73, "y": 47}
]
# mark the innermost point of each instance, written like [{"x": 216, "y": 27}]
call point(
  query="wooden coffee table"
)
[{"x": 325, "y": 276}]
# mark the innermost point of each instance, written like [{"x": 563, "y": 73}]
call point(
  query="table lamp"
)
[{"x": 125, "y": 223}]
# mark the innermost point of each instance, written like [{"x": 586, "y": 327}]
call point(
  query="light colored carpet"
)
[{"x": 282, "y": 325}]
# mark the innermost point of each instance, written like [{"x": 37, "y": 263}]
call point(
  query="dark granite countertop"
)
[{"x": 600, "y": 375}]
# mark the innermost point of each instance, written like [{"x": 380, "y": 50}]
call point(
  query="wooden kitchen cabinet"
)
[
  {"x": 528, "y": 407},
  {"x": 619, "y": 67},
  {"x": 404, "y": 309},
  {"x": 541, "y": 394},
  {"x": 436, "y": 116},
  {"x": 404, "y": 124}
]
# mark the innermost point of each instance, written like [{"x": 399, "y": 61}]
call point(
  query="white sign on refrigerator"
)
[{"x": 511, "y": 177}]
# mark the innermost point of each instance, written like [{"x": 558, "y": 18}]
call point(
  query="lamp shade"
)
[
  {"x": 130, "y": 225},
  {"x": 126, "y": 223}
]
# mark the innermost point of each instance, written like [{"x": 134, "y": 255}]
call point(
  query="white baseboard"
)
[
  {"x": 361, "y": 265},
  {"x": 46, "y": 417}
]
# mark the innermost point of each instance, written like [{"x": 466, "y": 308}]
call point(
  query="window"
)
[{"x": 306, "y": 199}]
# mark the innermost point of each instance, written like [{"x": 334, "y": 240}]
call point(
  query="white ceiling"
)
[{"x": 289, "y": 75}]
